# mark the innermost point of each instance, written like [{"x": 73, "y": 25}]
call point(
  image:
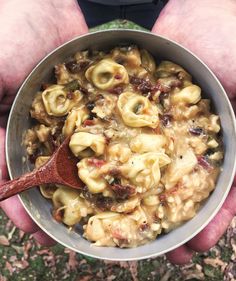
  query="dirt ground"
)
[{"x": 23, "y": 259}]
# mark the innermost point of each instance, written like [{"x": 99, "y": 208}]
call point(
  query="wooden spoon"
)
[{"x": 60, "y": 169}]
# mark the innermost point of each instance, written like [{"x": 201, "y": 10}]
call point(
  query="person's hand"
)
[
  {"x": 206, "y": 28},
  {"x": 29, "y": 30}
]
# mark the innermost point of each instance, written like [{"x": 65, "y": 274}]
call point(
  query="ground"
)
[{"x": 23, "y": 259}]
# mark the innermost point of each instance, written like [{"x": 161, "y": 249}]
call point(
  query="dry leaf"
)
[
  {"x": 215, "y": 263},
  {"x": 133, "y": 267},
  {"x": 4, "y": 241},
  {"x": 72, "y": 262},
  {"x": 10, "y": 234},
  {"x": 2, "y": 278},
  {"x": 85, "y": 278},
  {"x": 21, "y": 264},
  {"x": 111, "y": 278},
  {"x": 9, "y": 267}
]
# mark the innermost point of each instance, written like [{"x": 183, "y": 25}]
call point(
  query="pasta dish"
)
[{"x": 148, "y": 145}]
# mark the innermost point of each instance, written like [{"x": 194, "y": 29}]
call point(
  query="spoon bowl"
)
[{"x": 59, "y": 169}]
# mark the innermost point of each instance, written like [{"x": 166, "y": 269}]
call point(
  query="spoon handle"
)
[{"x": 24, "y": 182}]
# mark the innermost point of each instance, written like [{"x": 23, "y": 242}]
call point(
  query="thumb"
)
[{"x": 3, "y": 166}]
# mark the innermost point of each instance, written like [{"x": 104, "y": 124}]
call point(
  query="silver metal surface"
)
[{"x": 40, "y": 208}]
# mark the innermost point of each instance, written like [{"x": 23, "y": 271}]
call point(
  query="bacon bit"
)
[
  {"x": 144, "y": 226},
  {"x": 32, "y": 157},
  {"x": 165, "y": 119},
  {"x": 107, "y": 140},
  {"x": 162, "y": 198},
  {"x": 123, "y": 191},
  {"x": 44, "y": 86},
  {"x": 196, "y": 131},
  {"x": 174, "y": 189},
  {"x": 115, "y": 172},
  {"x": 162, "y": 88},
  {"x": 57, "y": 215},
  {"x": 156, "y": 130},
  {"x": 166, "y": 84},
  {"x": 96, "y": 162},
  {"x": 52, "y": 142},
  {"x": 75, "y": 67},
  {"x": 117, "y": 90},
  {"x": 202, "y": 161},
  {"x": 70, "y": 95},
  {"x": 83, "y": 90},
  {"x": 162, "y": 97},
  {"x": 117, "y": 234},
  {"x": 120, "y": 60},
  {"x": 88, "y": 122},
  {"x": 118, "y": 76},
  {"x": 142, "y": 85},
  {"x": 104, "y": 203},
  {"x": 136, "y": 80},
  {"x": 90, "y": 105}
]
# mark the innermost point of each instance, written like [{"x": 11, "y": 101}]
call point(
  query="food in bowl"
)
[{"x": 148, "y": 146}]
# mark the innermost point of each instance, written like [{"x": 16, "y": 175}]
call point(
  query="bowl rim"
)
[{"x": 231, "y": 113}]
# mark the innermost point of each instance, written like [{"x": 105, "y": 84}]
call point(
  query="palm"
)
[{"x": 31, "y": 30}]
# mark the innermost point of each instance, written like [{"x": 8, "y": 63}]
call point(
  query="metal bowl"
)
[{"x": 40, "y": 208}]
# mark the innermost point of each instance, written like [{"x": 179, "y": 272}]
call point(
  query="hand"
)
[
  {"x": 205, "y": 27},
  {"x": 30, "y": 30}
]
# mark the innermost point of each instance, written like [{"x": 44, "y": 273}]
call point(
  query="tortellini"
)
[
  {"x": 147, "y": 61},
  {"x": 107, "y": 74},
  {"x": 137, "y": 110},
  {"x": 72, "y": 205},
  {"x": 57, "y": 102},
  {"x": 168, "y": 68},
  {"x": 74, "y": 119},
  {"x": 180, "y": 167},
  {"x": 119, "y": 152},
  {"x": 113, "y": 229},
  {"x": 147, "y": 142},
  {"x": 189, "y": 95},
  {"x": 144, "y": 169},
  {"x": 90, "y": 175},
  {"x": 45, "y": 189},
  {"x": 128, "y": 56},
  {"x": 82, "y": 141}
]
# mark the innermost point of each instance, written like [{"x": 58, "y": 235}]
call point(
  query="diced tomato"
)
[
  {"x": 117, "y": 234},
  {"x": 202, "y": 161},
  {"x": 88, "y": 122},
  {"x": 162, "y": 197},
  {"x": 96, "y": 162},
  {"x": 118, "y": 76},
  {"x": 57, "y": 215}
]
